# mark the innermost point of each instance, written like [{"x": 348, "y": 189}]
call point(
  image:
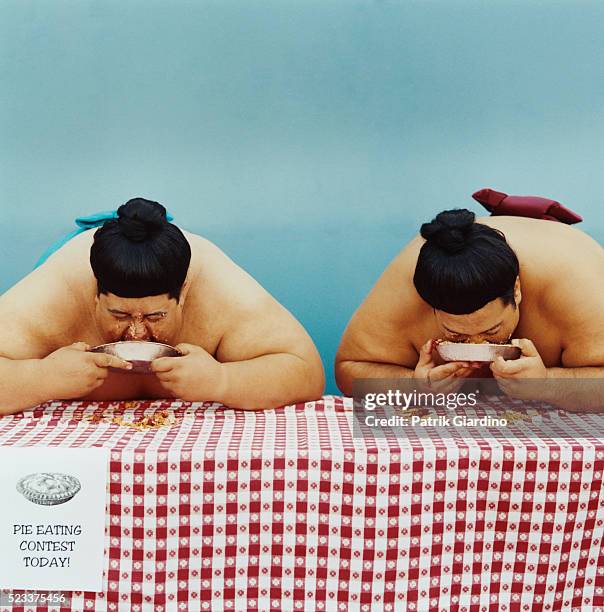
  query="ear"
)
[
  {"x": 97, "y": 295},
  {"x": 517, "y": 291},
  {"x": 184, "y": 291}
]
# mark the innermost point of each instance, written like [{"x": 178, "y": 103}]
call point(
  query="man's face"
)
[
  {"x": 494, "y": 322},
  {"x": 155, "y": 318}
]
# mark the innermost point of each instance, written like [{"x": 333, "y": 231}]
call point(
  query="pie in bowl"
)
[
  {"x": 483, "y": 351},
  {"x": 138, "y": 352}
]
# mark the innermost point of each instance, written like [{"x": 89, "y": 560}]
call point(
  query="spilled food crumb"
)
[
  {"x": 161, "y": 418},
  {"x": 513, "y": 415},
  {"x": 416, "y": 411}
]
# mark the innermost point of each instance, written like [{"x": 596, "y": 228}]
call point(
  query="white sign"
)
[{"x": 52, "y": 518}]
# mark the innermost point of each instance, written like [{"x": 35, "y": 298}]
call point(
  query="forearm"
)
[
  {"x": 21, "y": 385},
  {"x": 348, "y": 371},
  {"x": 270, "y": 381},
  {"x": 575, "y": 389}
]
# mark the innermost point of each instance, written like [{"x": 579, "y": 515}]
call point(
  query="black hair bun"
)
[
  {"x": 140, "y": 219},
  {"x": 450, "y": 229}
]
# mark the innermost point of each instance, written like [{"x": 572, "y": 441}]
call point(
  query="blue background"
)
[{"x": 309, "y": 140}]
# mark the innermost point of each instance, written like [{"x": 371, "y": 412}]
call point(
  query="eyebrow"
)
[
  {"x": 113, "y": 311},
  {"x": 482, "y": 332}
]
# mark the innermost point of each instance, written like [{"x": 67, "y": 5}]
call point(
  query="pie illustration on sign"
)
[{"x": 48, "y": 488}]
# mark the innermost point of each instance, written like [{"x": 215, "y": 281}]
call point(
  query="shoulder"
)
[
  {"x": 561, "y": 265},
  {"x": 215, "y": 273},
  {"x": 563, "y": 271},
  {"x": 48, "y": 307},
  {"x": 42, "y": 309},
  {"x": 550, "y": 240},
  {"x": 394, "y": 294},
  {"x": 384, "y": 325},
  {"x": 574, "y": 303}
]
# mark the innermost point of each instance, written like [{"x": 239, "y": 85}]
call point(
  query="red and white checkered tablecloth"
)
[{"x": 285, "y": 510}]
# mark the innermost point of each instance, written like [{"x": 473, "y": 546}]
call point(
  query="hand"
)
[
  {"x": 446, "y": 378},
  {"x": 196, "y": 376},
  {"x": 71, "y": 371},
  {"x": 512, "y": 375}
]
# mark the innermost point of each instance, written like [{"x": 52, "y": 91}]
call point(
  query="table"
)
[{"x": 285, "y": 510}]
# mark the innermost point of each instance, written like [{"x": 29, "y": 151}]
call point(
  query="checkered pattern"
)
[{"x": 285, "y": 510}]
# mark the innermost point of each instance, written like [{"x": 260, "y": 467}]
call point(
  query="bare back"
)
[
  {"x": 226, "y": 312},
  {"x": 561, "y": 275}
]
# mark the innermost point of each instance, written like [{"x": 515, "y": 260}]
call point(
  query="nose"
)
[{"x": 137, "y": 331}]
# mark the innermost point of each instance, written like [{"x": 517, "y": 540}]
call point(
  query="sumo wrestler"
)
[
  {"x": 537, "y": 283},
  {"x": 139, "y": 277}
]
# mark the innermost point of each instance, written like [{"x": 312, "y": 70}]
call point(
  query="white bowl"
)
[
  {"x": 462, "y": 351},
  {"x": 139, "y": 353}
]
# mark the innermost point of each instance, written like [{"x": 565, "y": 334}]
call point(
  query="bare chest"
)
[{"x": 126, "y": 386}]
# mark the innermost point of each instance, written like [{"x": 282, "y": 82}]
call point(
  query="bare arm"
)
[
  {"x": 576, "y": 389},
  {"x": 269, "y": 360},
  {"x": 35, "y": 364},
  {"x": 349, "y": 370},
  {"x": 263, "y": 358},
  {"x": 22, "y": 343},
  {"x": 579, "y": 384},
  {"x": 20, "y": 386},
  {"x": 376, "y": 342},
  {"x": 573, "y": 308}
]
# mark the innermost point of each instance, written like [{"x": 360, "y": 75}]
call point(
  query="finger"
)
[
  {"x": 80, "y": 346},
  {"x": 505, "y": 376},
  {"x": 514, "y": 367},
  {"x": 526, "y": 346},
  {"x": 103, "y": 360},
  {"x": 164, "y": 375},
  {"x": 163, "y": 364},
  {"x": 447, "y": 385},
  {"x": 499, "y": 376},
  {"x": 425, "y": 355},
  {"x": 446, "y": 370},
  {"x": 508, "y": 368},
  {"x": 497, "y": 366},
  {"x": 463, "y": 372},
  {"x": 185, "y": 348}
]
